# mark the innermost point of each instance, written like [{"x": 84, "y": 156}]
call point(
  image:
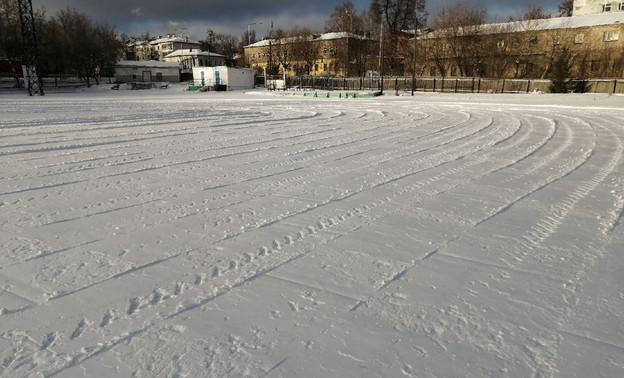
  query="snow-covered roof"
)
[
  {"x": 171, "y": 39},
  {"x": 160, "y": 40},
  {"x": 322, "y": 37},
  {"x": 189, "y": 52},
  {"x": 599, "y": 19},
  {"x": 574, "y": 22},
  {"x": 339, "y": 35},
  {"x": 148, "y": 63}
]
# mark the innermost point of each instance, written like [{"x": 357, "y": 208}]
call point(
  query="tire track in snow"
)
[
  {"x": 67, "y": 347},
  {"x": 219, "y": 272}
]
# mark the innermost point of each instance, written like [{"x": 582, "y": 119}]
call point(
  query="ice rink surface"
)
[{"x": 174, "y": 234}]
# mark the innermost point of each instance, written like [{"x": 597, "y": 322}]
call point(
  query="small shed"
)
[
  {"x": 147, "y": 71},
  {"x": 233, "y": 78}
]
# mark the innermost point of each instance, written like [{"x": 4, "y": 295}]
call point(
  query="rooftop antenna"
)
[
  {"x": 31, "y": 56},
  {"x": 183, "y": 31}
]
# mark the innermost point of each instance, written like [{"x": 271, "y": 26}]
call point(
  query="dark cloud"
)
[{"x": 233, "y": 16}]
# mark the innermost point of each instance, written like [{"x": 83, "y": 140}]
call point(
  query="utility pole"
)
[
  {"x": 30, "y": 62},
  {"x": 414, "y": 57},
  {"x": 381, "y": 57}
]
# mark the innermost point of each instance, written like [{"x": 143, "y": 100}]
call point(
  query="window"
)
[
  {"x": 557, "y": 40},
  {"x": 606, "y": 7},
  {"x": 595, "y": 66},
  {"x": 611, "y": 35},
  {"x": 533, "y": 41},
  {"x": 500, "y": 44},
  {"x": 621, "y": 6},
  {"x": 579, "y": 38}
]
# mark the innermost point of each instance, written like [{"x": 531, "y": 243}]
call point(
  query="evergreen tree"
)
[{"x": 560, "y": 74}]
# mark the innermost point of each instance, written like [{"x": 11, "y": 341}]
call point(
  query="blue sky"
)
[{"x": 195, "y": 17}]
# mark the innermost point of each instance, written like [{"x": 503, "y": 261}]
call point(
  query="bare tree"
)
[
  {"x": 497, "y": 47},
  {"x": 10, "y": 40},
  {"x": 460, "y": 30},
  {"x": 75, "y": 44},
  {"x": 439, "y": 53},
  {"x": 228, "y": 46},
  {"x": 282, "y": 50},
  {"x": 345, "y": 19},
  {"x": 566, "y": 7},
  {"x": 224, "y": 44},
  {"x": 305, "y": 51},
  {"x": 535, "y": 13},
  {"x": 395, "y": 17}
]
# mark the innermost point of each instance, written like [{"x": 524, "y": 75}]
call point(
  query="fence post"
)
[
  {"x": 472, "y": 86},
  {"x": 614, "y": 85},
  {"x": 528, "y": 85},
  {"x": 442, "y": 85},
  {"x": 479, "y": 86},
  {"x": 434, "y": 84},
  {"x": 503, "y": 87}
]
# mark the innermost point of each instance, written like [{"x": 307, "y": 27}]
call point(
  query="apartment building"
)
[
  {"x": 158, "y": 48},
  {"x": 335, "y": 54},
  {"x": 593, "y": 38}
]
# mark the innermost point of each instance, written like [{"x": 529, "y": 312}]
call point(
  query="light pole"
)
[{"x": 249, "y": 31}]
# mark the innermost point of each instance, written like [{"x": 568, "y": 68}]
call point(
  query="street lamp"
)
[{"x": 249, "y": 31}]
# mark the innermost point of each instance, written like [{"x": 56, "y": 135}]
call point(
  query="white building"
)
[
  {"x": 582, "y": 7},
  {"x": 190, "y": 58},
  {"x": 147, "y": 71},
  {"x": 158, "y": 48},
  {"x": 233, "y": 78}
]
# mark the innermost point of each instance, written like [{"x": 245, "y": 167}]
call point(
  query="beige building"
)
[
  {"x": 527, "y": 49},
  {"x": 336, "y": 54}
]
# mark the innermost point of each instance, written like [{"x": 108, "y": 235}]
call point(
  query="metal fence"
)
[
  {"x": 54, "y": 82},
  {"x": 446, "y": 85}
]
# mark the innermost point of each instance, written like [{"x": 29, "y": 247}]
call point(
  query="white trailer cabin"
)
[{"x": 233, "y": 78}]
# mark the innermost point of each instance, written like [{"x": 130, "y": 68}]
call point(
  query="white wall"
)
[
  {"x": 135, "y": 74},
  {"x": 582, "y": 7},
  {"x": 234, "y": 78}
]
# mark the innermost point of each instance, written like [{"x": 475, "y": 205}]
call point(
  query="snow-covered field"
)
[{"x": 177, "y": 234}]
